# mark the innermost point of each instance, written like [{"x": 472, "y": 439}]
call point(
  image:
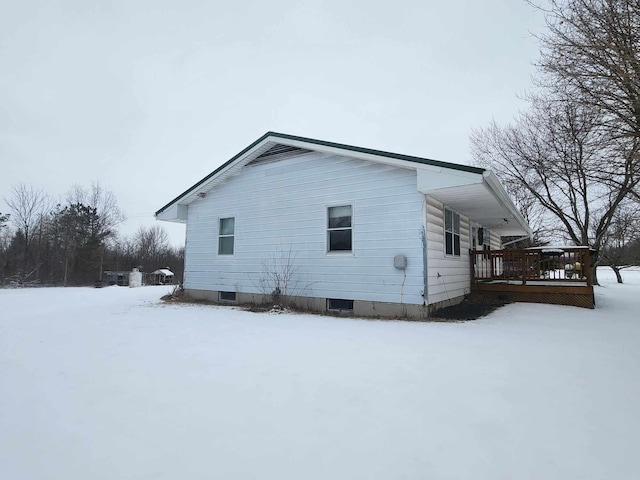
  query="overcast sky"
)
[{"x": 150, "y": 96}]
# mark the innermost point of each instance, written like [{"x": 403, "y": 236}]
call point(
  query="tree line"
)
[
  {"x": 72, "y": 242},
  {"x": 572, "y": 158}
]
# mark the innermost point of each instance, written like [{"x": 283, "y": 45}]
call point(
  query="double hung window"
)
[
  {"x": 340, "y": 229},
  {"x": 226, "y": 235},
  {"x": 451, "y": 232}
]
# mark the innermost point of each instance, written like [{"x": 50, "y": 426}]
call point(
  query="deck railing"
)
[{"x": 557, "y": 264}]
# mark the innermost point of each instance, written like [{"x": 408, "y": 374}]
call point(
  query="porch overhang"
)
[{"x": 480, "y": 197}]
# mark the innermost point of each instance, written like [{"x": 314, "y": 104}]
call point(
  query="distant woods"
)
[{"x": 71, "y": 242}]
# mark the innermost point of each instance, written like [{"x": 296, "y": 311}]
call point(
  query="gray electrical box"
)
[{"x": 400, "y": 261}]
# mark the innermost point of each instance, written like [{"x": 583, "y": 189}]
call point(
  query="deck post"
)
[
  {"x": 491, "y": 269},
  {"x": 472, "y": 265},
  {"x": 524, "y": 268},
  {"x": 587, "y": 268}
]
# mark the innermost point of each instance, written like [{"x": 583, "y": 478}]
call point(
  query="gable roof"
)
[
  {"x": 311, "y": 141},
  {"x": 462, "y": 187}
]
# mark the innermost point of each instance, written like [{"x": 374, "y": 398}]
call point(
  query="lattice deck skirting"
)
[{"x": 577, "y": 296}]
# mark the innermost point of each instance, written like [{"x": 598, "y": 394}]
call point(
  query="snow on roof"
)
[{"x": 163, "y": 271}]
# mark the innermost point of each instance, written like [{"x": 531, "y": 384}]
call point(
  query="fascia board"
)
[{"x": 431, "y": 179}]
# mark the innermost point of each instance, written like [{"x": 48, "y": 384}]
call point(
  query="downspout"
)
[{"x": 425, "y": 264}]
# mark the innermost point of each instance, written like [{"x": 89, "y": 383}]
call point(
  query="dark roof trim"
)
[{"x": 369, "y": 151}]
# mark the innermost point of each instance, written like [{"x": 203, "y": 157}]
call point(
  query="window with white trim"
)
[
  {"x": 226, "y": 235},
  {"x": 451, "y": 233},
  {"x": 340, "y": 229}
]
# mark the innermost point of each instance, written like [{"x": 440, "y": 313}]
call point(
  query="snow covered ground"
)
[{"x": 112, "y": 384}]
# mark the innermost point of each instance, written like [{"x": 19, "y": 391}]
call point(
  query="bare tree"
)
[
  {"x": 591, "y": 50},
  {"x": 28, "y": 208},
  {"x": 533, "y": 212},
  {"x": 593, "y": 46},
  {"x": 104, "y": 201},
  {"x": 617, "y": 251},
  {"x": 107, "y": 213},
  {"x": 576, "y": 150},
  {"x": 5, "y": 240},
  {"x": 560, "y": 153},
  {"x": 151, "y": 244}
]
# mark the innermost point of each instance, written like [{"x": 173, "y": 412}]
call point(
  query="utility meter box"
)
[{"x": 400, "y": 261}]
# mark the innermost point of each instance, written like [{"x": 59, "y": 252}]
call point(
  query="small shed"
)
[
  {"x": 162, "y": 276},
  {"x": 120, "y": 278}
]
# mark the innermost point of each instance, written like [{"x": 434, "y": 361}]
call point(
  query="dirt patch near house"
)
[{"x": 471, "y": 308}]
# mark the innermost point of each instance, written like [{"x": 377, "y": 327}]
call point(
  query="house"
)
[{"x": 338, "y": 227}]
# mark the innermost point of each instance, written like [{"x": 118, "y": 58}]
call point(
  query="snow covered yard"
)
[{"x": 113, "y": 384}]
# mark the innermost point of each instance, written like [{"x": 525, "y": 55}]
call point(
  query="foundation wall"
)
[{"x": 361, "y": 308}]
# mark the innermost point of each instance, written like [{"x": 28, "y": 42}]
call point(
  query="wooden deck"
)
[{"x": 539, "y": 275}]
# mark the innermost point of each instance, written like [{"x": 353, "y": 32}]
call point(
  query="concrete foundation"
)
[{"x": 361, "y": 308}]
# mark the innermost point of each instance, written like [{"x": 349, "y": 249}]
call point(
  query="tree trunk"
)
[
  {"x": 66, "y": 268},
  {"x": 594, "y": 260},
  {"x": 617, "y": 272}
]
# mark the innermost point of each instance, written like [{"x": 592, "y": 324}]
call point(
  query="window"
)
[
  {"x": 339, "y": 304},
  {"x": 339, "y": 237},
  {"x": 451, "y": 232},
  {"x": 227, "y": 296},
  {"x": 226, "y": 235}
]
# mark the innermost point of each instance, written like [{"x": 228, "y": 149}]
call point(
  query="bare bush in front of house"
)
[{"x": 280, "y": 278}]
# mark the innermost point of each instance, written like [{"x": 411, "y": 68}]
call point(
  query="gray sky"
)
[{"x": 148, "y": 97}]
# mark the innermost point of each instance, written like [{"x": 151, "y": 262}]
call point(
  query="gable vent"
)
[{"x": 279, "y": 152}]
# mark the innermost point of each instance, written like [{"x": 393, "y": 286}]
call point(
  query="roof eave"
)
[{"x": 320, "y": 145}]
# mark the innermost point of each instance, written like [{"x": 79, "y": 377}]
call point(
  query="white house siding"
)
[
  {"x": 496, "y": 241},
  {"x": 283, "y": 205},
  {"x": 454, "y": 279}
]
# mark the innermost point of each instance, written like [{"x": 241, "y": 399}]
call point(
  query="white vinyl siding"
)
[
  {"x": 496, "y": 241},
  {"x": 284, "y": 206},
  {"x": 454, "y": 276}
]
